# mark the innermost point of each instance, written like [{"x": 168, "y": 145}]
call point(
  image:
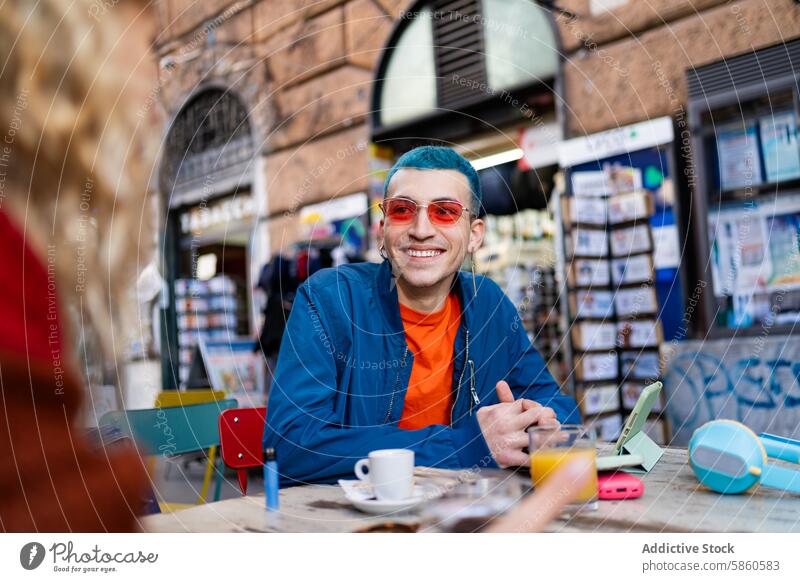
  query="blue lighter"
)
[{"x": 271, "y": 479}]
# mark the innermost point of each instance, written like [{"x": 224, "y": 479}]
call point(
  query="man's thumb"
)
[{"x": 504, "y": 391}]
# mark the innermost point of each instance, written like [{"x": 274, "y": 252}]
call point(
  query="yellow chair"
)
[{"x": 185, "y": 398}]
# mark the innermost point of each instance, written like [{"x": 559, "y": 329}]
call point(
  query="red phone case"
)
[{"x": 619, "y": 485}]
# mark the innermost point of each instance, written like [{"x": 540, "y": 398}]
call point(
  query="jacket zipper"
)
[
  {"x": 475, "y": 400},
  {"x": 460, "y": 379},
  {"x": 394, "y": 388}
]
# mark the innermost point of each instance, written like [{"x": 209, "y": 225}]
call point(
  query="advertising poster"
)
[
  {"x": 780, "y": 147},
  {"x": 739, "y": 161},
  {"x": 754, "y": 263},
  {"x": 784, "y": 248},
  {"x": 232, "y": 366},
  {"x": 756, "y": 247}
]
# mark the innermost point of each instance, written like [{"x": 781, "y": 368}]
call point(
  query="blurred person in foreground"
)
[{"x": 73, "y": 173}]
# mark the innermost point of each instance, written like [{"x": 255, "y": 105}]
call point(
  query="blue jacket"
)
[{"x": 344, "y": 367}]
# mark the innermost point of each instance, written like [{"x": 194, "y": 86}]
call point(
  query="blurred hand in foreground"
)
[{"x": 538, "y": 509}]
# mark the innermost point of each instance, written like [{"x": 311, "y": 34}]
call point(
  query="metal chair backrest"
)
[{"x": 241, "y": 434}]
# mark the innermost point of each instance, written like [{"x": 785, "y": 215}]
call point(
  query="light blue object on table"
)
[{"x": 728, "y": 457}]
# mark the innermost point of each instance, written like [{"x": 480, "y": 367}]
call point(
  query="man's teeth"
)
[{"x": 424, "y": 253}]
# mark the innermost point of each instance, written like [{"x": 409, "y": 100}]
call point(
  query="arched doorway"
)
[{"x": 206, "y": 179}]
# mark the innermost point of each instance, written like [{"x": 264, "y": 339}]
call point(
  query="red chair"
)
[{"x": 241, "y": 434}]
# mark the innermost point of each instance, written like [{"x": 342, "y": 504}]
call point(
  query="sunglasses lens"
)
[
  {"x": 445, "y": 212},
  {"x": 399, "y": 211}
]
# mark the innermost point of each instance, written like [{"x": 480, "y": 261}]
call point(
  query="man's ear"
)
[
  {"x": 476, "y": 231},
  {"x": 379, "y": 236}
]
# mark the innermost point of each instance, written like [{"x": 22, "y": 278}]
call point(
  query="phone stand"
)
[{"x": 641, "y": 444}]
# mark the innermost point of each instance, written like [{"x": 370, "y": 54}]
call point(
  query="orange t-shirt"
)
[{"x": 430, "y": 337}]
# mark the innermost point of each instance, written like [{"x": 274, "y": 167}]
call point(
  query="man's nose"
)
[{"x": 422, "y": 227}]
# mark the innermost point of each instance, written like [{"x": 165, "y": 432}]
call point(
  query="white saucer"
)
[{"x": 359, "y": 494}]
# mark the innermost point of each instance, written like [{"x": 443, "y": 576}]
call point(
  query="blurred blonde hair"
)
[{"x": 77, "y": 176}]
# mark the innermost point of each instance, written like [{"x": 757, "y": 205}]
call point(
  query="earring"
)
[
  {"x": 472, "y": 268},
  {"x": 382, "y": 252}
]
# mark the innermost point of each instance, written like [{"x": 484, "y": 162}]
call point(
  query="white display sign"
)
[
  {"x": 635, "y": 269},
  {"x": 586, "y": 210},
  {"x": 628, "y": 241},
  {"x": 598, "y": 304},
  {"x": 638, "y": 334},
  {"x": 599, "y": 399},
  {"x": 641, "y": 365},
  {"x": 666, "y": 251},
  {"x": 231, "y": 209},
  {"x": 589, "y": 273},
  {"x": 628, "y": 207},
  {"x": 539, "y": 144},
  {"x": 608, "y": 428},
  {"x": 589, "y": 243},
  {"x": 603, "y": 366},
  {"x": 594, "y": 336},
  {"x": 614, "y": 142},
  {"x": 595, "y": 183},
  {"x": 636, "y": 301}
]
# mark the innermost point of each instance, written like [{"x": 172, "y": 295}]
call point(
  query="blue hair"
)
[{"x": 438, "y": 158}]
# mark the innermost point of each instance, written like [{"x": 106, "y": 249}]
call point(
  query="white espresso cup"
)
[{"x": 391, "y": 473}]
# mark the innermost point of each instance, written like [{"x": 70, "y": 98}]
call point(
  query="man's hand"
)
[
  {"x": 548, "y": 417},
  {"x": 503, "y": 425}
]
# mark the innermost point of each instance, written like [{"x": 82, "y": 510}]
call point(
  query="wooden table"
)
[{"x": 673, "y": 501}]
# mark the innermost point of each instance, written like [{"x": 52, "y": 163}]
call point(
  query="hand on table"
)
[
  {"x": 503, "y": 425},
  {"x": 536, "y": 511}
]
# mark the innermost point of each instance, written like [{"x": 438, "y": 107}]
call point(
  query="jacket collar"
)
[{"x": 389, "y": 304}]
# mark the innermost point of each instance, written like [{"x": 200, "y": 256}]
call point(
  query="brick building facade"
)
[
  {"x": 304, "y": 71},
  {"x": 309, "y": 77},
  {"x": 654, "y": 43}
]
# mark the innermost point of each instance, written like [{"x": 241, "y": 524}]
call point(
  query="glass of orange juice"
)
[{"x": 553, "y": 446}]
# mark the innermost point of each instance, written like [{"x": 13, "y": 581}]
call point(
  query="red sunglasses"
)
[{"x": 404, "y": 211}]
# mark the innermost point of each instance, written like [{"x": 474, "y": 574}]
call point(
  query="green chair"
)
[
  {"x": 171, "y": 431},
  {"x": 170, "y": 398}
]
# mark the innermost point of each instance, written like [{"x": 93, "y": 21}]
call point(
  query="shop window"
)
[
  {"x": 449, "y": 54},
  {"x": 409, "y": 87},
  {"x": 748, "y": 153},
  {"x": 520, "y": 44}
]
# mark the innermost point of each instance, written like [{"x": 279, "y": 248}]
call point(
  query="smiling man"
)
[{"x": 411, "y": 353}]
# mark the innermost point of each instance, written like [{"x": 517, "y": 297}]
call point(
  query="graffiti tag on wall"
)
[{"x": 757, "y": 383}]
